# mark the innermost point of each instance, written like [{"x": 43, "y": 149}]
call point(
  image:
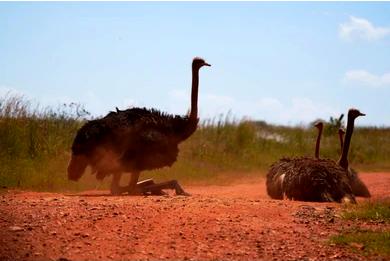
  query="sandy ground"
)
[{"x": 237, "y": 222}]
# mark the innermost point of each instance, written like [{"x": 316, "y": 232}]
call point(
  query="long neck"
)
[
  {"x": 343, "y": 161},
  {"x": 192, "y": 122},
  {"x": 341, "y": 137},
  {"x": 318, "y": 143},
  {"x": 194, "y": 94},
  {"x": 317, "y": 154}
]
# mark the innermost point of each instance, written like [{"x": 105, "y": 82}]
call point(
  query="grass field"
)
[
  {"x": 366, "y": 241},
  {"x": 378, "y": 211},
  {"x": 35, "y": 147}
]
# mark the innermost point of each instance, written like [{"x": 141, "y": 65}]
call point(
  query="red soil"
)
[{"x": 237, "y": 222}]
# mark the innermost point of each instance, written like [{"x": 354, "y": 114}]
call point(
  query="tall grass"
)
[
  {"x": 35, "y": 142},
  {"x": 35, "y": 147},
  {"x": 237, "y": 146}
]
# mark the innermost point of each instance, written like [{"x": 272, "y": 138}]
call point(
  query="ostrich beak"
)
[
  {"x": 362, "y": 114},
  {"x": 206, "y": 64}
]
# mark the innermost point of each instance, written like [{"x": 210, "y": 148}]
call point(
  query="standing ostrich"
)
[
  {"x": 323, "y": 180},
  {"x": 276, "y": 176},
  {"x": 358, "y": 187},
  {"x": 134, "y": 140}
]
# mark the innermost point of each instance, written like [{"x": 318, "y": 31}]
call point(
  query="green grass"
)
[
  {"x": 35, "y": 148},
  {"x": 367, "y": 242},
  {"x": 369, "y": 211},
  {"x": 35, "y": 142}
]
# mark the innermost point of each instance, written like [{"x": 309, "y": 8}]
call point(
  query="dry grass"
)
[{"x": 35, "y": 148}]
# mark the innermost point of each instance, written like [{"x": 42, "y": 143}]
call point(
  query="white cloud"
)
[
  {"x": 210, "y": 104},
  {"x": 219, "y": 100},
  {"x": 297, "y": 110},
  {"x": 293, "y": 111},
  {"x": 270, "y": 104},
  {"x": 129, "y": 103},
  {"x": 361, "y": 29},
  {"x": 179, "y": 94},
  {"x": 367, "y": 79}
]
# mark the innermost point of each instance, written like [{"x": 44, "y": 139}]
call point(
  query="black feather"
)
[
  {"x": 133, "y": 139},
  {"x": 309, "y": 179}
]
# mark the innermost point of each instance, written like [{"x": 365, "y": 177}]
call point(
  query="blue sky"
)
[{"x": 286, "y": 63}]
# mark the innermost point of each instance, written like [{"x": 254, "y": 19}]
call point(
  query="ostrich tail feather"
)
[
  {"x": 76, "y": 167},
  {"x": 359, "y": 188}
]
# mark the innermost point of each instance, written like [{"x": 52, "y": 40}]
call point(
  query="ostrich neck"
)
[
  {"x": 194, "y": 94},
  {"x": 317, "y": 154},
  {"x": 341, "y": 137},
  {"x": 192, "y": 122},
  {"x": 343, "y": 161}
]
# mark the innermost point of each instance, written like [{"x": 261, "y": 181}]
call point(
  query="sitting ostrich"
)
[
  {"x": 276, "y": 175},
  {"x": 134, "y": 140},
  {"x": 358, "y": 187},
  {"x": 311, "y": 179}
]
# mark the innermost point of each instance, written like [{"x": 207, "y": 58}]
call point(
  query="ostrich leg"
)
[
  {"x": 171, "y": 184},
  {"x": 133, "y": 189},
  {"x": 141, "y": 185},
  {"x": 115, "y": 188}
]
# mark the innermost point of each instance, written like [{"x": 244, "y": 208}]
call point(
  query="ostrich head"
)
[
  {"x": 197, "y": 63},
  {"x": 319, "y": 125},
  {"x": 354, "y": 113}
]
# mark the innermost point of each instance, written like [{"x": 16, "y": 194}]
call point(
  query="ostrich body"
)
[
  {"x": 134, "y": 140},
  {"x": 311, "y": 179},
  {"x": 275, "y": 178},
  {"x": 277, "y": 172},
  {"x": 358, "y": 187}
]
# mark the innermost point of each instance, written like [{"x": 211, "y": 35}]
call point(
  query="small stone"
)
[
  {"x": 63, "y": 259},
  {"x": 357, "y": 245},
  {"x": 15, "y": 228}
]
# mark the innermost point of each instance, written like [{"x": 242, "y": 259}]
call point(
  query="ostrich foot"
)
[
  {"x": 171, "y": 184},
  {"x": 118, "y": 190},
  {"x": 134, "y": 191},
  {"x": 147, "y": 182}
]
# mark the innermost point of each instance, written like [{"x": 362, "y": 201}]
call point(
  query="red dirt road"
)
[{"x": 237, "y": 222}]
